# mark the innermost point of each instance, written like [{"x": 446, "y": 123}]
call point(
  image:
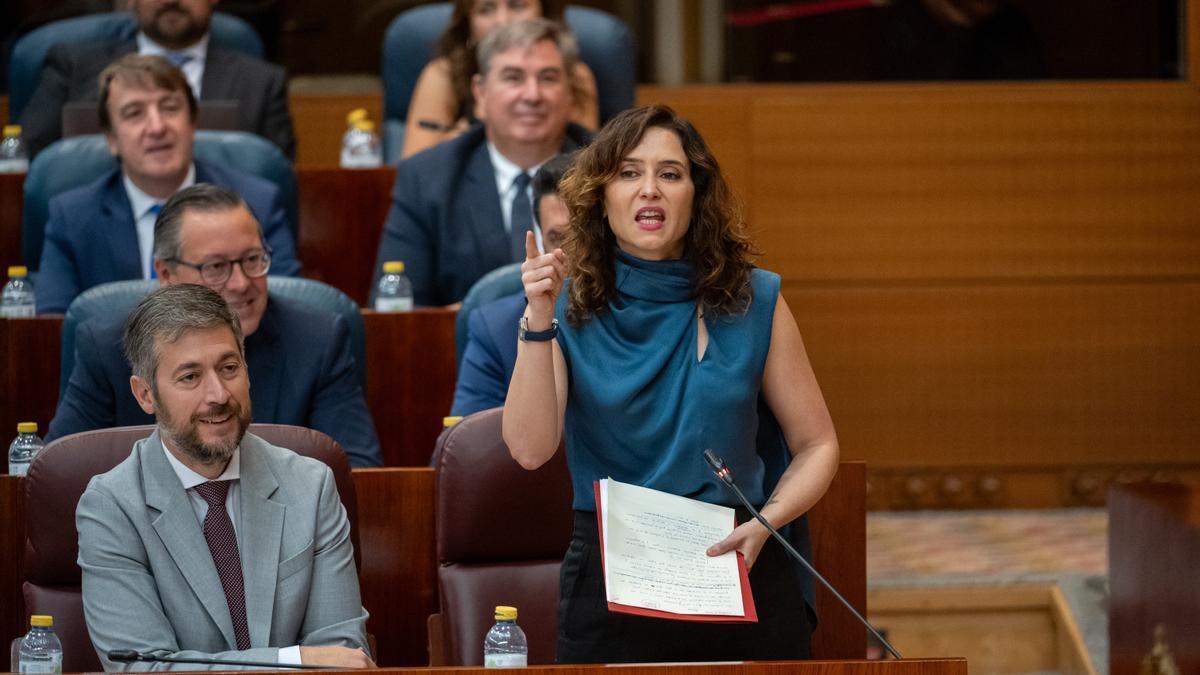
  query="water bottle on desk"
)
[
  {"x": 24, "y": 448},
  {"x": 394, "y": 292},
  {"x": 18, "y": 300},
  {"x": 13, "y": 156},
  {"x": 505, "y": 645},
  {"x": 361, "y": 148},
  {"x": 41, "y": 652}
]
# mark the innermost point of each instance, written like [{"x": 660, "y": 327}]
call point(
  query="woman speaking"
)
[{"x": 659, "y": 345}]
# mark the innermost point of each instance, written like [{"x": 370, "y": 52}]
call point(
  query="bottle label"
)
[
  {"x": 505, "y": 660},
  {"x": 393, "y": 304},
  {"x": 18, "y": 469},
  {"x": 14, "y": 165}
]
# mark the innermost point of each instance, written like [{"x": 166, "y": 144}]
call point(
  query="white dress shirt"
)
[
  {"x": 143, "y": 218},
  {"x": 193, "y": 70},
  {"x": 506, "y": 176}
]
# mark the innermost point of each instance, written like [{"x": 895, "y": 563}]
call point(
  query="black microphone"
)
[
  {"x": 722, "y": 472},
  {"x": 130, "y": 655}
]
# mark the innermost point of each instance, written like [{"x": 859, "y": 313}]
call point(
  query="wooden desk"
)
[
  {"x": 949, "y": 666},
  {"x": 11, "y": 206},
  {"x": 341, "y": 215},
  {"x": 410, "y": 377},
  {"x": 399, "y": 558},
  {"x": 1153, "y": 557}
]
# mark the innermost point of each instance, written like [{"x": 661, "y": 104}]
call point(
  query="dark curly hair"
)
[
  {"x": 459, "y": 49},
  {"x": 717, "y": 243}
]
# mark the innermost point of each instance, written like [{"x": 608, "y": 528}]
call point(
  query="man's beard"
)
[
  {"x": 187, "y": 439},
  {"x": 178, "y": 35}
]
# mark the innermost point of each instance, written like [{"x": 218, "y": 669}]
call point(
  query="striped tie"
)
[
  {"x": 222, "y": 543},
  {"x": 521, "y": 220}
]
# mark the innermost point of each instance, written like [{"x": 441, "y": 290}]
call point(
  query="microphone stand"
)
[
  {"x": 130, "y": 655},
  {"x": 722, "y": 472}
]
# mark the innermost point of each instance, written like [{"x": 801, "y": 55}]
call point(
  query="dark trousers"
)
[{"x": 589, "y": 633}]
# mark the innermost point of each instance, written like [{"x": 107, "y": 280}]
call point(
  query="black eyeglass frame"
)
[{"x": 265, "y": 252}]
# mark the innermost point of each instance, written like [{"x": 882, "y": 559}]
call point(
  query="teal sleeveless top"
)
[{"x": 642, "y": 409}]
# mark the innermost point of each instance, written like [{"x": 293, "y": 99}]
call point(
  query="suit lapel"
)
[
  {"x": 483, "y": 210},
  {"x": 217, "y": 81},
  {"x": 266, "y": 360},
  {"x": 262, "y": 532},
  {"x": 121, "y": 235},
  {"x": 181, "y": 535}
]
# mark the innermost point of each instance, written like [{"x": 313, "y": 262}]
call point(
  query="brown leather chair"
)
[
  {"x": 57, "y": 479},
  {"x": 501, "y": 534}
]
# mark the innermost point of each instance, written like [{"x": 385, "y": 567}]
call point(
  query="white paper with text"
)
[{"x": 654, "y": 552}]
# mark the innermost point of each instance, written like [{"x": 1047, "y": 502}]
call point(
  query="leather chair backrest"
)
[
  {"x": 498, "y": 283},
  {"x": 605, "y": 45},
  {"x": 120, "y": 297},
  {"x": 501, "y": 535},
  {"x": 72, "y": 162},
  {"x": 29, "y": 53},
  {"x": 57, "y": 479}
]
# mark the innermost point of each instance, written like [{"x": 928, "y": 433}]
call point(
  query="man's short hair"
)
[
  {"x": 547, "y": 179},
  {"x": 141, "y": 71},
  {"x": 525, "y": 34},
  {"x": 168, "y": 313},
  {"x": 203, "y": 197}
]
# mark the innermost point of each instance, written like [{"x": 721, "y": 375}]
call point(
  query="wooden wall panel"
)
[{"x": 1007, "y": 375}]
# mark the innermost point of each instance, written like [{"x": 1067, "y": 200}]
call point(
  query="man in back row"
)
[
  {"x": 208, "y": 542},
  {"x": 104, "y": 231},
  {"x": 461, "y": 208},
  {"x": 179, "y": 31},
  {"x": 299, "y": 358}
]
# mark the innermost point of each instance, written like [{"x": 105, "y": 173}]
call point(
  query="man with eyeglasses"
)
[
  {"x": 299, "y": 358},
  {"x": 103, "y": 231}
]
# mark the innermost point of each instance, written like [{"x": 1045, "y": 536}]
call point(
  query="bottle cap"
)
[
  {"x": 393, "y": 267},
  {"x": 27, "y": 428},
  {"x": 41, "y": 620},
  {"x": 18, "y": 271},
  {"x": 450, "y": 421},
  {"x": 356, "y": 115},
  {"x": 506, "y": 613},
  {"x": 12, "y": 129},
  {"x": 364, "y": 125}
]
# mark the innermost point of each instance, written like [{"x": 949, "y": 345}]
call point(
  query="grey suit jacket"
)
[{"x": 149, "y": 582}]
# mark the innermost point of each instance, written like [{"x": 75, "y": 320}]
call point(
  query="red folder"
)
[{"x": 751, "y": 615}]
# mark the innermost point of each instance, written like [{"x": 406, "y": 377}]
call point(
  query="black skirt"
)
[{"x": 589, "y": 633}]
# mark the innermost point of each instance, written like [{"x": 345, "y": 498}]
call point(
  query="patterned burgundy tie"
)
[{"x": 222, "y": 543}]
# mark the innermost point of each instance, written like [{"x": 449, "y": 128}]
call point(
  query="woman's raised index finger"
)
[{"x": 531, "y": 249}]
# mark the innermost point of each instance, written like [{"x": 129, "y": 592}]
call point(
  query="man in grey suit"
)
[
  {"x": 208, "y": 542},
  {"x": 179, "y": 31},
  {"x": 461, "y": 209}
]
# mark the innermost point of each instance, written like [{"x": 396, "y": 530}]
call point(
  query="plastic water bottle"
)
[
  {"x": 505, "y": 645},
  {"x": 394, "y": 292},
  {"x": 41, "y": 652},
  {"x": 18, "y": 300},
  {"x": 361, "y": 148},
  {"x": 13, "y": 156},
  {"x": 24, "y": 448}
]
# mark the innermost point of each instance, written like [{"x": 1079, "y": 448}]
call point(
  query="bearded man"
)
[{"x": 209, "y": 542}]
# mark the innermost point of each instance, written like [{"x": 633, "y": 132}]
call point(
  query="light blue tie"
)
[
  {"x": 153, "y": 209},
  {"x": 179, "y": 60}
]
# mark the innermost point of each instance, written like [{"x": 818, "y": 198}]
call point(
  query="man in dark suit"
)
[
  {"x": 491, "y": 352},
  {"x": 207, "y": 541},
  {"x": 179, "y": 31},
  {"x": 461, "y": 209},
  {"x": 299, "y": 357},
  {"x": 103, "y": 231}
]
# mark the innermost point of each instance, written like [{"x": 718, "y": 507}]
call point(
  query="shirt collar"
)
[
  {"x": 198, "y": 51},
  {"x": 141, "y": 202},
  {"x": 191, "y": 479},
  {"x": 506, "y": 171}
]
